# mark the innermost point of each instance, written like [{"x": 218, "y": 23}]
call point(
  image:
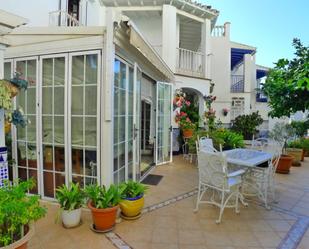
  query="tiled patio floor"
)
[{"x": 176, "y": 226}]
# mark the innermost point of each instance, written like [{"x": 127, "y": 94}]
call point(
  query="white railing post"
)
[
  {"x": 189, "y": 62},
  {"x": 62, "y": 18}
]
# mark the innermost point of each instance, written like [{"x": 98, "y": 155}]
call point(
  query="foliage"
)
[
  {"x": 295, "y": 144},
  {"x": 19, "y": 82},
  {"x": 231, "y": 139},
  {"x": 192, "y": 111},
  {"x": 210, "y": 113},
  {"x": 247, "y": 124},
  {"x": 287, "y": 84},
  {"x": 17, "y": 210},
  {"x": 18, "y": 118},
  {"x": 132, "y": 189},
  {"x": 282, "y": 133},
  {"x": 304, "y": 143},
  {"x": 186, "y": 124},
  {"x": 70, "y": 198},
  {"x": 5, "y": 96},
  {"x": 300, "y": 127},
  {"x": 102, "y": 197}
]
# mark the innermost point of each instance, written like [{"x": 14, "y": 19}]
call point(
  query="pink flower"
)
[{"x": 188, "y": 103}]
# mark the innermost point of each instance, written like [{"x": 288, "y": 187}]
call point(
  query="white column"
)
[
  {"x": 2, "y": 121},
  {"x": 169, "y": 35},
  {"x": 227, "y": 26},
  {"x": 206, "y": 47},
  {"x": 248, "y": 71},
  {"x": 107, "y": 139}
]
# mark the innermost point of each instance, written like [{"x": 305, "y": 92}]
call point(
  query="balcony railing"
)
[
  {"x": 190, "y": 62},
  {"x": 62, "y": 18},
  {"x": 237, "y": 84},
  {"x": 260, "y": 97},
  {"x": 218, "y": 31}
]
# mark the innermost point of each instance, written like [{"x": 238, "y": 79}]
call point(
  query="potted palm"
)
[
  {"x": 282, "y": 133},
  {"x": 103, "y": 203},
  {"x": 71, "y": 200},
  {"x": 18, "y": 211},
  {"x": 132, "y": 199}
]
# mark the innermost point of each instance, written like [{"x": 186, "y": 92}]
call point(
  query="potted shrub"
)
[
  {"x": 305, "y": 146},
  {"x": 17, "y": 212},
  {"x": 71, "y": 200},
  {"x": 295, "y": 150},
  {"x": 132, "y": 199},
  {"x": 187, "y": 127},
  {"x": 281, "y": 133},
  {"x": 103, "y": 203}
]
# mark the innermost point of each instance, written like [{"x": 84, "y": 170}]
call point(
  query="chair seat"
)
[{"x": 232, "y": 181}]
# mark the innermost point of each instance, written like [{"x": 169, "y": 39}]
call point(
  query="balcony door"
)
[{"x": 164, "y": 123}]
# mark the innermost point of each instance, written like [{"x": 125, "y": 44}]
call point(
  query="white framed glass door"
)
[
  {"x": 53, "y": 122},
  {"x": 27, "y": 139},
  {"x": 84, "y": 120},
  {"x": 164, "y": 123}
]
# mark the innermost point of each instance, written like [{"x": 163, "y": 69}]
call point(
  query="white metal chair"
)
[
  {"x": 214, "y": 176},
  {"x": 259, "y": 143}
]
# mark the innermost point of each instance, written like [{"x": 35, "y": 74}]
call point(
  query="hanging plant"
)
[
  {"x": 19, "y": 82},
  {"x": 18, "y": 118},
  {"x": 5, "y": 96}
]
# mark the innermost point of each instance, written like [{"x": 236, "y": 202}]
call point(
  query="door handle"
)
[{"x": 171, "y": 128}]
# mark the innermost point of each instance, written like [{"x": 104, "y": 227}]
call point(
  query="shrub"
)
[
  {"x": 230, "y": 139},
  {"x": 17, "y": 210},
  {"x": 300, "y": 127},
  {"x": 247, "y": 124}
]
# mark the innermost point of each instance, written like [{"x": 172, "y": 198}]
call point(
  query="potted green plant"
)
[
  {"x": 103, "y": 203},
  {"x": 132, "y": 199},
  {"x": 187, "y": 127},
  {"x": 71, "y": 200},
  {"x": 305, "y": 146},
  {"x": 294, "y": 148},
  {"x": 17, "y": 213},
  {"x": 281, "y": 133}
]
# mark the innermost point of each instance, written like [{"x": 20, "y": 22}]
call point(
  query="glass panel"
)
[
  {"x": 77, "y": 131},
  {"x": 21, "y": 133},
  {"x": 47, "y": 132},
  {"x": 91, "y": 163},
  {"x": 116, "y": 158},
  {"x": 91, "y": 100},
  {"x": 59, "y": 69},
  {"x": 31, "y": 155},
  {"x": 77, "y": 161},
  {"x": 47, "y": 72},
  {"x": 21, "y": 153},
  {"x": 22, "y": 174},
  {"x": 59, "y": 179},
  {"x": 77, "y": 100},
  {"x": 121, "y": 154},
  {"x": 131, "y": 79},
  {"x": 123, "y": 77},
  {"x": 47, "y": 100},
  {"x": 90, "y": 181},
  {"x": 31, "y": 129},
  {"x": 48, "y": 157},
  {"x": 33, "y": 174},
  {"x": 59, "y": 130},
  {"x": 116, "y": 73},
  {"x": 78, "y": 179},
  {"x": 122, "y": 129},
  {"x": 59, "y": 100},
  {"x": 91, "y": 69},
  {"x": 77, "y": 70},
  {"x": 7, "y": 70},
  {"x": 21, "y": 67},
  {"x": 31, "y": 101},
  {"x": 20, "y": 100},
  {"x": 91, "y": 134},
  {"x": 59, "y": 159},
  {"x": 48, "y": 184},
  {"x": 122, "y": 175},
  {"x": 116, "y": 130},
  {"x": 31, "y": 72}
]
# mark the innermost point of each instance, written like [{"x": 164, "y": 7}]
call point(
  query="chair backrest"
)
[
  {"x": 275, "y": 149},
  {"x": 206, "y": 144},
  {"x": 212, "y": 168},
  {"x": 259, "y": 143}
]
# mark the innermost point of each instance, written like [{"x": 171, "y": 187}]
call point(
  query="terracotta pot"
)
[
  {"x": 132, "y": 207},
  {"x": 306, "y": 153},
  {"x": 284, "y": 165},
  {"x": 303, "y": 156},
  {"x": 187, "y": 133},
  {"x": 297, "y": 154},
  {"x": 103, "y": 218},
  {"x": 23, "y": 242}
]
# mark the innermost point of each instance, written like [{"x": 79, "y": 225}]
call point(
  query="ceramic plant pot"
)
[
  {"x": 132, "y": 207},
  {"x": 284, "y": 165},
  {"x": 71, "y": 218},
  {"x": 23, "y": 242},
  {"x": 297, "y": 154},
  {"x": 103, "y": 218},
  {"x": 187, "y": 133}
]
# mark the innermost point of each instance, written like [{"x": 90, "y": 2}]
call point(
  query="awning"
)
[
  {"x": 237, "y": 55},
  {"x": 260, "y": 73}
]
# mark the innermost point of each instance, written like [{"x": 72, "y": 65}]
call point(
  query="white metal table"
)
[{"x": 251, "y": 159}]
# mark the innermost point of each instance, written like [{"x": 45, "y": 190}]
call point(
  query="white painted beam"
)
[
  {"x": 186, "y": 14},
  {"x": 139, "y": 8}
]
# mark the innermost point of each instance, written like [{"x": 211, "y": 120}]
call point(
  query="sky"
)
[{"x": 268, "y": 25}]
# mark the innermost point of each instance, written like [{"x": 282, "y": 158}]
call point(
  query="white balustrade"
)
[
  {"x": 190, "y": 62},
  {"x": 218, "y": 31},
  {"x": 62, "y": 18}
]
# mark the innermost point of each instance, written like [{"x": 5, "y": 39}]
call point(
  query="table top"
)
[{"x": 247, "y": 157}]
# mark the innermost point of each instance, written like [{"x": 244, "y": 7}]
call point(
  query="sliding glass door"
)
[
  {"x": 84, "y": 121},
  {"x": 163, "y": 123},
  {"x": 26, "y": 154},
  {"x": 53, "y": 132}
]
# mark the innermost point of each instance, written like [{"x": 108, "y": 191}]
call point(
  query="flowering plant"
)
[
  {"x": 186, "y": 124},
  {"x": 208, "y": 100},
  {"x": 180, "y": 99},
  {"x": 225, "y": 111}
]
